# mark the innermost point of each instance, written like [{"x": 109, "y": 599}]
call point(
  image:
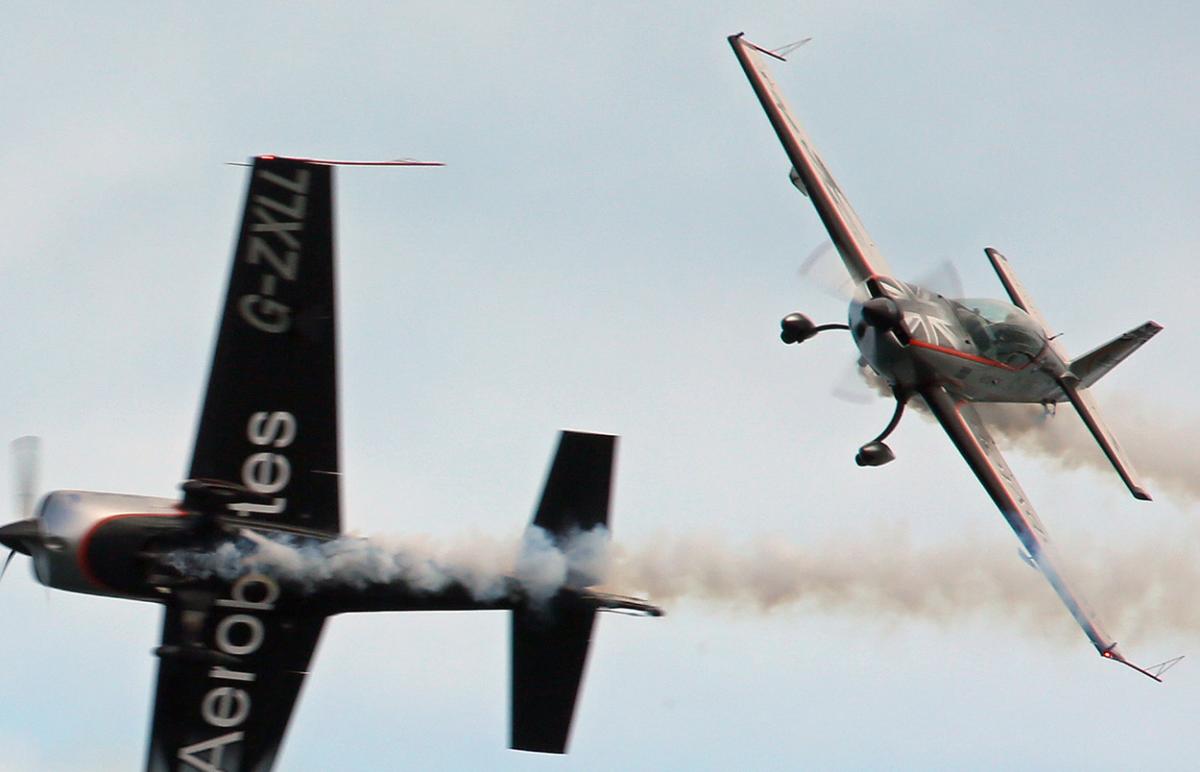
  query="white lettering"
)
[
  {"x": 265, "y": 314},
  {"x": 225, "y": 706},
  {"x": 278, "y": 428},
  {"x": 281, "y": 228},
  {"x": 266, "y": 472},
  {"x": 298, "y": 185},
  {"x": 254, "y": 633},
  {"x": 237, "y": 594},
  {"x": 246, "y": 508},
  {"x": 189, "y": 754},
  {"x": 259, "y": 249},
  {"x": 280, "y": 258},
  {"x": 295, "y": 211},
  {"x": 223, "y": 673}
]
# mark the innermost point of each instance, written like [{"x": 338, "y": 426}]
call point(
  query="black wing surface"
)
[
  {"x": 969, "y": 434},
  {"x": 859, "y": 253},
  {"x": 269, "y": 421},
  {"x": 227, "y": 713}
]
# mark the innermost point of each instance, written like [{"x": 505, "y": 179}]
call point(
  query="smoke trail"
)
[
  {"x": 877, "y": 576},
  {"x": 1150, "y": 588},
  {"x": 486, "y": 567},
  {"x": 1159, "y": 448}
]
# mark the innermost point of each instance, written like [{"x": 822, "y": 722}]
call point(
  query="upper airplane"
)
[
  {"x": 953, "y": 352},
  {"x": 235, "y": 649}
]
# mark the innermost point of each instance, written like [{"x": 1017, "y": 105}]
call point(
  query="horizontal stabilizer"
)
[
  {"x": 550, "y": 640},
  {"x": 549, "y": 651},
  {"x": 575, "y": 497},
  {"x": 1093, "y": 365}
]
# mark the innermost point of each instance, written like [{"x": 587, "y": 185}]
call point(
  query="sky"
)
[{"x": 610, "y": 248}]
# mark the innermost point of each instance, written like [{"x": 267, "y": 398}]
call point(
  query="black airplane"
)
[{"x": 235, "y": 647}]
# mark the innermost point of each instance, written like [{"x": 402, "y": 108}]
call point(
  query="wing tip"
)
[
  {"x": 337, "y": 162},
  {"x": 1154, "y": 671}
]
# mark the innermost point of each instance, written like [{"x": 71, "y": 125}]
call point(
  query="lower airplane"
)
[
  {"x": 953, "y": 352},
  {"x": 235, "y": 649}
]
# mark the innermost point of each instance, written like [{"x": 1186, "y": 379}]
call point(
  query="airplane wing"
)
[
  {"x": 269, "y": 421},
  {"x": 858, "y": 251},
  {"x": 231, "y": 668},
  {"x": 962, "y": 422},
  {"x": 227, "y": 714}
]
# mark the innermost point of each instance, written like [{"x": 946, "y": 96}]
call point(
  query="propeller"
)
[
  {"x": 19, "y": 535},
  {"x": 26, "y": 452},
  {"x": 823, "y": 269}
]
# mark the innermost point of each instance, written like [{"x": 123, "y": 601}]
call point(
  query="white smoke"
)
[
  {"x": 486, "y": 567},
  {"x": 1141, "y": 586},
  {"x": 1159, "y": 447},
  {"x": 883, "y": 574}
]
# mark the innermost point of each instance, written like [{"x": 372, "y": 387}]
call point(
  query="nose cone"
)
[{"x": 20, "y": 535}]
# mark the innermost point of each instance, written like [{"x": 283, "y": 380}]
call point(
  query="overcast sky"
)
[{"x": 610, "y": 248}]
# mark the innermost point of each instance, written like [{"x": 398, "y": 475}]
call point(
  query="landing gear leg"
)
[
  {"x": 876, "y": 452},
  {"x": 797, "y": 328}
]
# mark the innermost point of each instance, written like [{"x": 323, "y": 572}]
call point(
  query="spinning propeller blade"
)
[{"x": 25, "y": 452}]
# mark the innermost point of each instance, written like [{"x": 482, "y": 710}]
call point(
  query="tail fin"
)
[
  {"x": 550, "y": 643},
  {"x": 1093, "y": 365}
]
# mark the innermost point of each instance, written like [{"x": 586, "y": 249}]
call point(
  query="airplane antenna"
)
[
  {"x": 778, "y": 53},
  {"x": 1162, "y": 667},
  {"x": 783, "y": 51}
]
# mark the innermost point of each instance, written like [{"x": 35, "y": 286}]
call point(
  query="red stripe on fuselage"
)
[{"x": 969, "y": 357}]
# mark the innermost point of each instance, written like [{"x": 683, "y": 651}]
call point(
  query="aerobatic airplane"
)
[
  {"x": 953, "y": 352},
  {"x": 235, "y": 649}
]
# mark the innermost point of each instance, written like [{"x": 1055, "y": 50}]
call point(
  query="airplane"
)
[
  {"x": 235, "y": 649},
  {"x": 953, "y": 352}
]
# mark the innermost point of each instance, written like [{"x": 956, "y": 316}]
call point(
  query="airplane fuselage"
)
[
  {"x": 136, "y": 547},
  {"x": 982, "y": 350}
]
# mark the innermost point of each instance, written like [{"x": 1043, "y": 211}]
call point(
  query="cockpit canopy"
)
[{"x": 1001, "y": 331}]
